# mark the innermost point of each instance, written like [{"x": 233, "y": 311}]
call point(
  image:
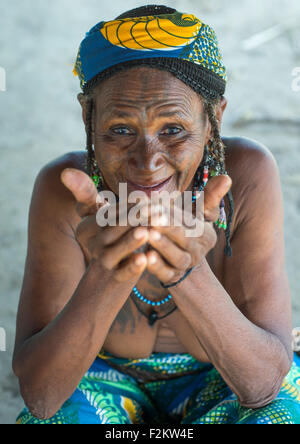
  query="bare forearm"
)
[
  {"x": 51, "y": 363},
  {"x": 251, "y": 360}
]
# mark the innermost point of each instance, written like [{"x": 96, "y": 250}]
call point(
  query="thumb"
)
[
  {"x": 216, "y": 188},
  {"x": 83, "y": 189}
]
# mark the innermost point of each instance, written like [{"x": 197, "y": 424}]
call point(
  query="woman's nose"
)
[{"x": 147, "y": 156}]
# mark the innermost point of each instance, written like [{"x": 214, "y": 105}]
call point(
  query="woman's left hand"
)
[{"x": 173, "y": 252}]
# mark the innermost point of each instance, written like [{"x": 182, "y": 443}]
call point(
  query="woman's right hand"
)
[{"x": 113, "y": 247}]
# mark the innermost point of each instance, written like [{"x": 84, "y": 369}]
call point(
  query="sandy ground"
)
[{"x": 40, "y": 118}]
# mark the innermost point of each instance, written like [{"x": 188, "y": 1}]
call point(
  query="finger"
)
[
  {"x": 175, "y": 256},
  {"x": 172, "y": 228},
  {"x": 196, "y": 240},
  {"x": 133, "y": 267},
  {"x": 208, "y": 240},
  {"x": 157, "y": 266},
  {"x": 83, "y": 189},
  {"x": 216, "y": 188},
  {"x": 86, "y": 229},
  {"x": 130, "y": 242},
  {"x": 114, "y": 233}
]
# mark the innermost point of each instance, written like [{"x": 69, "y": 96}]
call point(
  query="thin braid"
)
[
  {"x": 218, "y": 147},
  {"x": 218, "y": 153},
  {"x": 228, "y": 249},
  {"x": 89, "y": 139}
]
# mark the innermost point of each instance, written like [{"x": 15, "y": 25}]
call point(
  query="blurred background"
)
[{"x": 40, "y": 118}]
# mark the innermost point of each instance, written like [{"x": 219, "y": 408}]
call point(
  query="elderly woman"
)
[{"x": 125, "y": 323}]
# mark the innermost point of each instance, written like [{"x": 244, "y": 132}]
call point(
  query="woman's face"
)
[{"x": 149, "y": 129}]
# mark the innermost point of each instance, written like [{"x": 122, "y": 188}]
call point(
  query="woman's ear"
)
[
  {"x": 220, "y": 108},
  {"x": 82, "y": 100}
]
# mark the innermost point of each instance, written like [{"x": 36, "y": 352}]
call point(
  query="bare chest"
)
[{"x": 131, "y": 334}]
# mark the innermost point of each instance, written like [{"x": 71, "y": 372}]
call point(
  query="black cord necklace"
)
[{"x": 153, "y": 316}]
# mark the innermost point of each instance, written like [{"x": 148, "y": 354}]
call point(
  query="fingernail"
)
[
  {"x": 140, "y": 260},
  {"x": 140, "y": 233},
  {"x": 159, "y": 221},
  {"x": 68, "y": 175},
  {"x": 152, "y": 259},
  {"x": 155, "y": 235},
  {"x": 163, "y": 220}
]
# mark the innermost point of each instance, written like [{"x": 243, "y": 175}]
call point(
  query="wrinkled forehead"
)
[{"x": 146, "y": 87}]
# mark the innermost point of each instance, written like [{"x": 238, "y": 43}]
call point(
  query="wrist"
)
[{"x": 177, "y": 280}]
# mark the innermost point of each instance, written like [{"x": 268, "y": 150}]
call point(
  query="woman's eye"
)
[
  {"x": 171, "y": 131},
  {"x": 122, "y": 131}
]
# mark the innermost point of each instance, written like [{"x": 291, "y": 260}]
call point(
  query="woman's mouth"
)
[{"x": 148, "y": 188}]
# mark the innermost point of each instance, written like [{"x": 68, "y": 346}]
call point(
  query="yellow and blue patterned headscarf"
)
[{"x": 177, "y": 42}]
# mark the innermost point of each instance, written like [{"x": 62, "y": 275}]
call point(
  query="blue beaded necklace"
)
[{"x": 148, "y": 301}]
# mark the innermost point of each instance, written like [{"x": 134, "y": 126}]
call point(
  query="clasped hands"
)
[{"x": 163, "y": 248}]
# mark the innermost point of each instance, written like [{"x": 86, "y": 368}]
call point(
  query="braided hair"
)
[
  {"x": 217, "y": 148},
  {"x": 217, "y": 152}
]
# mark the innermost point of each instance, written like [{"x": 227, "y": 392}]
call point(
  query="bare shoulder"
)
[
  {"x": 245, "y": 156},
  {"x": 253, "y": 170},
  {"x": 50, "y": 195},
  {"x": 53, "y": 169},
  {"x": 55, "y": 262}
]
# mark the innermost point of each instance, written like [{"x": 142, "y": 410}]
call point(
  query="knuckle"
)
[
  {"x": 184, "y": 261},
  {"x": 210, "y": 238},
  {"x": 107, "y": 237},
  {"x": 120, "y": 276},
  {"x": 168, "y": 275},
  {"x": 190, "y": 244},
  {"x": 106, "y": 261},
  {"x": 85, "y": 230},
  {"x": 134, "y": 269},
  {"x": 111, "y": 234},
  {"x": 153, "y": 268}
]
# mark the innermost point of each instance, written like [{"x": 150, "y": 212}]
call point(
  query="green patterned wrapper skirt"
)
[{"x": 166, "y": 388}]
